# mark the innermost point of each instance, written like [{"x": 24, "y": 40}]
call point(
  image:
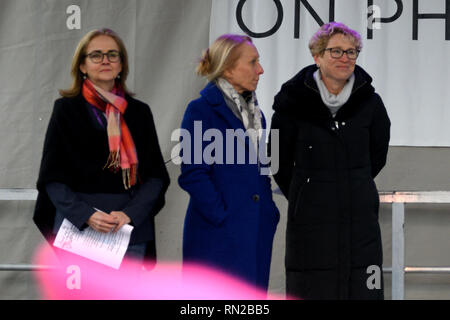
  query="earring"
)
[
  {"x": 118, "y": 77},
  {"x": 84, "y": 76}
]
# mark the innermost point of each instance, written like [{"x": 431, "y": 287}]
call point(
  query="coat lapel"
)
[{"x": 215, "y": 98}]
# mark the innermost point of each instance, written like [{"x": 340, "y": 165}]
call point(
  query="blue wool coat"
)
[{"x": 231, "y": 218}]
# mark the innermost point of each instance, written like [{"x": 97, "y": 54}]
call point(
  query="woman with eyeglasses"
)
[
  {"x": 101, "y": 165},
  {"x": 334, "y": 135}
]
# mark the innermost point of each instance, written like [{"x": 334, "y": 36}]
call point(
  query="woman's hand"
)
[
  {"x": 102, "y": 222},
  {"x": 121, "y": 219}
]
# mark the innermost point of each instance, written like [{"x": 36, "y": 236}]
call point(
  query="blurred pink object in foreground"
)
[{"x": 77, "y": 278}]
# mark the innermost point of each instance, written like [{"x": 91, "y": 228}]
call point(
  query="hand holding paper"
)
[
  {"x": 102, "y": 222},
  {"x": 121, "y": 219},
  {"x": 106, "y": 248}
]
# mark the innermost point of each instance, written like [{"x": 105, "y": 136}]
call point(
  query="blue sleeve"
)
[
  {"x": 196, "y": 176},
  {"x": 69, "y": 204}
]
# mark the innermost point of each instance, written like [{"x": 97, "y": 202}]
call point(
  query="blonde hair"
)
[
  {"x": 221, "y": 55},
  {"x": 80, "y": 55},
  {"x": 319, "y": 40}
]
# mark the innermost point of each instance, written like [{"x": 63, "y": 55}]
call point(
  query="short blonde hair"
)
[
  {"x": 319, "y": 40},
  {"x": 221, "y": 55},
  {"x": 80, "y": 55}
]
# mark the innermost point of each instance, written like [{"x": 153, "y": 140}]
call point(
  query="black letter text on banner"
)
[{"x": 252, "y": 34}]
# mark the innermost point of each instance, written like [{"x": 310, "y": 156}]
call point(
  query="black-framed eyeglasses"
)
[
  {"x": 97, "y": 56},
  {"x": 336, "y": 53}
]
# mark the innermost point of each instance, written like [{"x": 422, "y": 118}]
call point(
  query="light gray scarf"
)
[
  {"x": 334, "y": 102},
  {"x": 250, "y": 113}
]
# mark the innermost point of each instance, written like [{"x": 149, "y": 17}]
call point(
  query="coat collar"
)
[
  {"x": 361, "y": 78},
  {"x": 300, "y": 95},
  {"x": 212, "y": 94}
]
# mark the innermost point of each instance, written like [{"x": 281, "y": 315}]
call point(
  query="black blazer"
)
[{"x": 75, "y": 152}]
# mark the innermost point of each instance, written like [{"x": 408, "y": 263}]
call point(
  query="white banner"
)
[{"x": 406, "y": 50}]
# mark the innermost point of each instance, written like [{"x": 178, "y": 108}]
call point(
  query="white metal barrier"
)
[{"x": 398, "y": 200}]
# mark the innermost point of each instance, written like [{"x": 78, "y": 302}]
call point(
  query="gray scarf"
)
[
  {"x": 334, "y": 102},
  {"x": 249, "y": 112}
]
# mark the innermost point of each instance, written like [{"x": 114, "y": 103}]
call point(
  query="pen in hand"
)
[
  {"x": 120, "y": 219},
  {"x": 102, "y": 222}
]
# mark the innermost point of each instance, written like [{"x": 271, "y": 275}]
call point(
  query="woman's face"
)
[
  {"x": 104, "y": 72},
  {"x": 244, "y": 76},
  {"x": 336, "y": 70}
]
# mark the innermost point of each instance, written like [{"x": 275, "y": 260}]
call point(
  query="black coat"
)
[
  {"x": 326, "y": 172},
  {"x": 75, "y": 152}
]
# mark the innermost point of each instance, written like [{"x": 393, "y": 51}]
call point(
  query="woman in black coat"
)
[
  {"x": 333, "y": 141},
  {"x": 101, "y": 165}
]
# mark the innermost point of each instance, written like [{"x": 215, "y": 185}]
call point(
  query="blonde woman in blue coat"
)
[{"x": 231, "y": 218}]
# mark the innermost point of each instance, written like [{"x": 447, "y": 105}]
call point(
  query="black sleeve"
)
[
  {"x": 379, "y": 137},
  {"x": 69, "y": 204},
  {"x": 55, "y": 162},
  {"x": 286, "y": 149},
  {"x": 53, "y": 167},
  {"x": 144, "y": 200}
]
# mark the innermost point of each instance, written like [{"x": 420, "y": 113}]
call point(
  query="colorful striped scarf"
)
[{"x": 122, "y": 151}]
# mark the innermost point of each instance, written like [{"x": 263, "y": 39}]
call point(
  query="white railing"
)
[
  {"x": 18, "y": 194},
  {"x": 398, "y": 200}
]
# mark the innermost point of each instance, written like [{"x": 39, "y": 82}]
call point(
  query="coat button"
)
[{"x": 255, "y": 197}]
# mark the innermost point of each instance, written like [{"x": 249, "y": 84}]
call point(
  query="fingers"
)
[
  {"x": 121, "y": 219},
  {"x": 120, "y": 223},
  {"x": 107, "y": 218},
  {"x": 102, "y": 222},
  {"x": 118, "y": 226}
]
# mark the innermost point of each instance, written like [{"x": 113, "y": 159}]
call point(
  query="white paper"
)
[{"x": 106, "y": 248}]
